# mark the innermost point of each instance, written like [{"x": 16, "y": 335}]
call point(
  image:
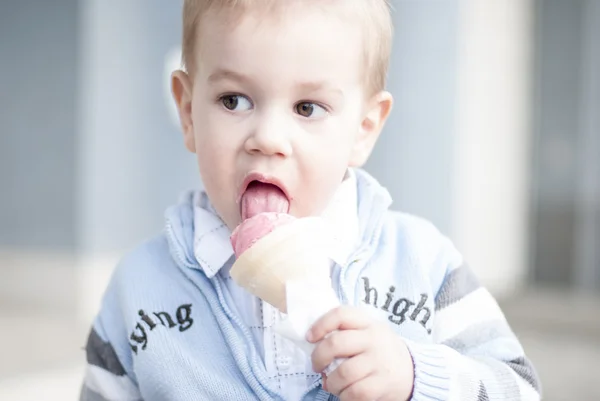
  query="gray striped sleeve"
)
[
  {"x": 459, "y": 283},
  {"x": 523, "y": 367},
  {"x": 102, "y": 354},
  {"x": 500, "y": 380},
  {"x": 90, "y": 395},
  {"x": 483, "y": 395},
  {"x": 106, "y": 379},
  {"x": 483, "y": 333}
]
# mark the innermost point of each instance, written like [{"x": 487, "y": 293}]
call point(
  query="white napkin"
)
[{"x": 307, "y": 301}]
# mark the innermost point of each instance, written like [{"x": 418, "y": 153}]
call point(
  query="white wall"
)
[
  {"x": 492, "y": 147},
  {"x": 456, "y": 148},
  {"x": 132, "y": 162}
]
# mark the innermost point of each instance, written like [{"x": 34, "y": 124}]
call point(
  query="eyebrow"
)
[
  {"x": 227, "y": 75},
  {"x": 309, "y": 86},
  {"x": 319, "y": 86}
]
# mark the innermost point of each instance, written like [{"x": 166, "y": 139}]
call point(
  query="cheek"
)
[
  {"x": 339, "y": 143},
  {"x": 330, "y": 146},
  {"x": 215, "y": 163},
  {"x": 212, "y": 135},
  {"x": 322, "y": 174},
  {"x": 215, "y": 157}
]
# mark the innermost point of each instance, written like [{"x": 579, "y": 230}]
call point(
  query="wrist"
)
[{"x": 431, "y": 377}]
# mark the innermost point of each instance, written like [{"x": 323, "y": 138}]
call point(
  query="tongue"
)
[{"x": 261, "y": 198}]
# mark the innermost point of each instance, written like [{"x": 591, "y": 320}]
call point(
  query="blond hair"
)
[{"x": 377, "y": 27}]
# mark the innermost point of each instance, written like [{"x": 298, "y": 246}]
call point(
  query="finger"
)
[
  {"x": 340, "y": 344},
  {"x": 368, "y": 389},
  {"x": 349, "y": 372},
  {"x": 342, "y": 318}
]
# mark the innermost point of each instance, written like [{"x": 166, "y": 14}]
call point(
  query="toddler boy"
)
[{"x": 282, "y": 102}]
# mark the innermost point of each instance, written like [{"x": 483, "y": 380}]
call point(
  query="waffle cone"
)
[{"x": 294, "y": 251}]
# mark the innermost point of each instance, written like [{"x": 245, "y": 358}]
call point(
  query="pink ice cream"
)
[{"x": 251, "y": 230}]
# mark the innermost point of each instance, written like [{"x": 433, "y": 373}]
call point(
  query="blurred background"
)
[{"x": 495, "y": 137}]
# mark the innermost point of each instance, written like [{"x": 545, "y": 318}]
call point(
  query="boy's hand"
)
[{"x": 379, "y": 365}]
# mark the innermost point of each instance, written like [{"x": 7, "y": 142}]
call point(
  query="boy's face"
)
[{"x": 278, "y": 99}]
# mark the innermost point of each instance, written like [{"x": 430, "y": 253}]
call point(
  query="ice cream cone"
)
[{"x": 294, "y": 251}]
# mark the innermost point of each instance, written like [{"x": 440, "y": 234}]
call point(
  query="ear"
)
[
  {"x": 181, "y": 87},
  {"x": 377, "y": 112}
]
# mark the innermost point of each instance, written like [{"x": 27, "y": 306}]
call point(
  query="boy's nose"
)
[{"x": 270, "y": 138}]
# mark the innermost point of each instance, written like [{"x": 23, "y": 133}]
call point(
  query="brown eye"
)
[
  {"x": 310, "y": 110},
  {"x": 235, "y": 102},
  {"x": 305, "y": 109},
  {"x": 230, "y": 102}
]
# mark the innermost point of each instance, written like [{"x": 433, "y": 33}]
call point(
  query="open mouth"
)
[
  {"x": 263, "y": 196},
  {"x": 259, "y": 185}
]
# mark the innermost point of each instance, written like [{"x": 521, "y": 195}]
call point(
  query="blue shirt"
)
[{"x": 167, "y": 331}]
